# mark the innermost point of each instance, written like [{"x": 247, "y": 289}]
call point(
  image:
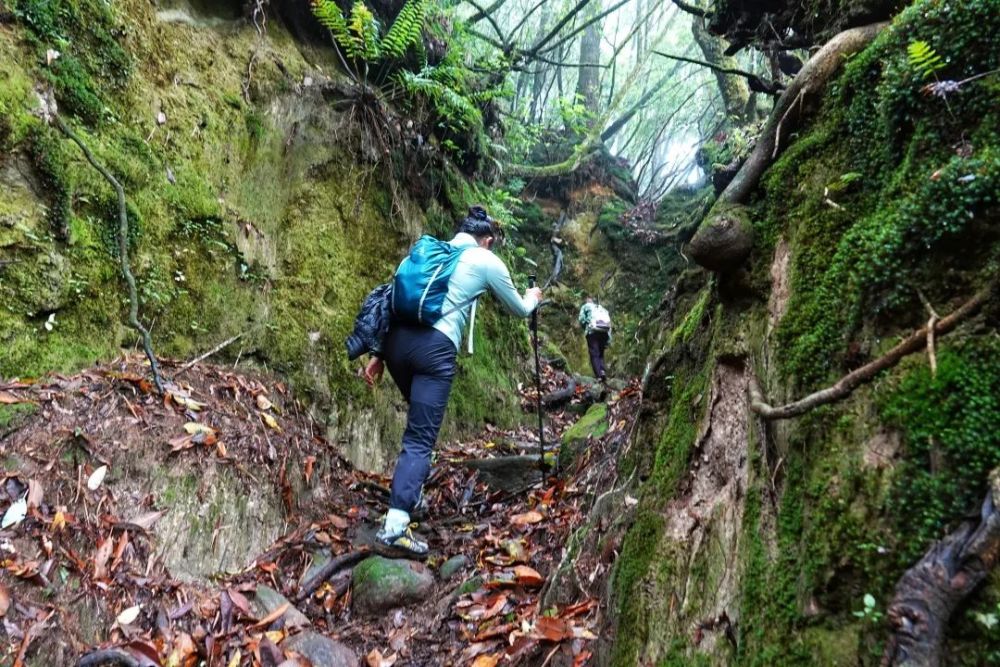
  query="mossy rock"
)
[
  {"x": 453, "y": 566},
  {"x": 381, "y": 584},
  {"x": 593, "y": 424},
  {"x": 321, "y": 651}
]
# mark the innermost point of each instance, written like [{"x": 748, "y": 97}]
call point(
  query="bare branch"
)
[
  {"x": 556, "y": 29},
  {"x": 691, "y": 9},
  {"x": 847, "y": 384},
  {"x": 488, "y": 15},
  {"x": 586, "y": 24},
  {"x": 758, "y": 84},
  {"x": 481, "y": 14}
]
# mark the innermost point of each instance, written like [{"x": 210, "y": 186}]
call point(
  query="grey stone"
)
[
  {"x": 321, "y": 651},
  {"x": 453, "y": 566},
  {"x": 508, "y": 473},
  {"x": 381, "y": 584},
  {"x": 266, "y": 599}
]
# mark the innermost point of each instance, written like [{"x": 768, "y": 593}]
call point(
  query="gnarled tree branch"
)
[
  {"x": 133, "y": 296},
  {"x": 928, "y": 593},
  {"x": 847, "y": 384}
]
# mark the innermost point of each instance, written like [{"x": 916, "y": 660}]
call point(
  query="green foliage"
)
[
  {"x": 455, "y": 111},
  {"x": 48, "y": 154},
  {"x": 924, "y": 58},
  {"x": 949, "y": 424},
  {"x": 869, "y": 612},
  {"x": 88, "y": 39},
  {"x": 360, "y": 36}
]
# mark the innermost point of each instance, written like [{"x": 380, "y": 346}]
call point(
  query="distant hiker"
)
[
  {"x": 434, "y": 293},
  {"x": 596, "y": 323}
]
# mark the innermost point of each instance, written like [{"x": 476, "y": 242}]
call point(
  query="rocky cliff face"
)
[
  {"x": 756, "y": 541},
  {"x": 256, "y": 207}
]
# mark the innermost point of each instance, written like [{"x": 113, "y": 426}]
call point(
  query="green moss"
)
[
  {"x": 685, "y": 330},
  {"x": 951, "y": 441},
  {"x": 12, "y": 415},
  {"x": 911, "y": 175},
  {"x": 593, "y": 424}
]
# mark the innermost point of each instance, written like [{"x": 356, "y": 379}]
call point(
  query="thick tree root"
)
[
  {"x": 847, "y": 384},
  {"x": 928, "y": 593},
  {"x": 331, "y": 567},
  {"x": 724, "y": 240},
  {"x": 133, "y": 297},
  {"x": 107, "y": 657}
]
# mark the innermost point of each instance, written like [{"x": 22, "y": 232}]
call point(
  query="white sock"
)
[{"x": 396, "y": 521}]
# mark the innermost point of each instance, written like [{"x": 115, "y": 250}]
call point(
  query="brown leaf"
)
[
  {"x": 101, "y": 558},
  {"x": 35, "y": 493},
  {"x": 240, "y": 602},
  {"x": 375, "y": 659},
  {"x": 338, "y": 522},
  {"x": 310, "y": 462},
  {"x": 4, "y": 600},
  {"x": 526, "y": 576},
  {"x": 263, "y": 403},
  {"x": 486, "y": 661},
  {"x": 181, "y": 443},
  {"x": 272, "y": 617},
  {"x": 147, "y": 520},
  {"x": 553, "y": 629},
  {"x": 7, "y": 398},
  {"x": 526, "y": 518},
  {"x": 496, "y": 607}
]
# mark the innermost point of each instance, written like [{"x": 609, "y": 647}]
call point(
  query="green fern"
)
[
  {"x": 405, "y": 30},
  {"x": 359, "y": 35},
  {"x": 453, "y": 107},
  {"x": 924, "y": 58}
]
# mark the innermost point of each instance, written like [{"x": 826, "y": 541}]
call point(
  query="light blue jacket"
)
[{"x": 478, "y": 270}]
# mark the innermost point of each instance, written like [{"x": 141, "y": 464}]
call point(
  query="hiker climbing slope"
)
[
  {"x": 596, "y": 323},
  {"x": 434, "y": 294}
]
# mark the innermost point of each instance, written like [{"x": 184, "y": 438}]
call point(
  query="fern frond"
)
[
  {"x": 405, "y": 30},
  {"x": 364, "y": 31},
  {"x": 331, "y": 18},
  {"x": 924, "y": 58},
  {"x": 454, "y": 108}
]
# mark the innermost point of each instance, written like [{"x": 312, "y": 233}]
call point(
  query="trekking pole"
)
[{"x": 538, "y": 382}]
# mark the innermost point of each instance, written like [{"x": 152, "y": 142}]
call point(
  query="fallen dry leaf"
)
[
  {"x": 194, "y": 428},
  {"x": 375, "y": 659},
  {"x": 101, "y": 557},
  {"x": 526, "y": 518},
  {"x": 35, "y": 493},
  {"x": 4, "y": 600},
  {"x": 96, "y": 477},
  {"x": 486, "y": 661},
  {"x": 526, "y": 576},
  {"x": 58, "y": 522},
  {"x": 270, "y": 421},
  {"x": 129, "y": 616},
  {"x": 263, "y": 403},
  {"x": 272, "y": 617},
  {"x": 6, "y": 398}
]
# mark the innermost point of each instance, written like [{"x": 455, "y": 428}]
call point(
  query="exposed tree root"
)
[
  {"x": 720, "y": 244},
  {"x": 847, "y": 384},
  {"x": 330, "y": 568},
  {"x": 133, "y": 297},
  {"x": 107, "y": 657},
  {"x": 928, "y": 593}
]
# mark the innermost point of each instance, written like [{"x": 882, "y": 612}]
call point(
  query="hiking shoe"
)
[{"x": 401, "y": 544}]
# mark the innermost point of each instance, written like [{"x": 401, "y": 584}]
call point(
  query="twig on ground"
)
[{"x": 203, "y": 357}]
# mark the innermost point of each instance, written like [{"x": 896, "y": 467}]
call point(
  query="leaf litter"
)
[{"x": 87, "y": 544}]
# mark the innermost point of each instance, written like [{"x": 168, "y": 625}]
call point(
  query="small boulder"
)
[
  {"x": 593, "y": 424},
  {"x": 381, "y": 584},
  {"x": 321, "y": 651},
  {"x": 453, "y": 566},
  {"x": 267, "y": 599}
]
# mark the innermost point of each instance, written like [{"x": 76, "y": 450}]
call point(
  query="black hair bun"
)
[{"x": 477, "y": 212}]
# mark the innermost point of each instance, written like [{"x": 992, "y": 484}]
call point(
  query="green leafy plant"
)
[
  {"x": 869, "y": 612},
  {"x": 924, "y": 58},
  {"x": 362, "y": 42}
]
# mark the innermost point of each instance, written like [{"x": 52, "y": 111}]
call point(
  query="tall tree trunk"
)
[
  {"x": 734, "y": 89},
  {"x": 538, "y": 82},
  {"x": 588, "y": 83}
]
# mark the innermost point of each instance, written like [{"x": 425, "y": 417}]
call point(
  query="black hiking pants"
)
[
  {"x": 421, "y": 361},
  {"x": 596, "y": 342}
]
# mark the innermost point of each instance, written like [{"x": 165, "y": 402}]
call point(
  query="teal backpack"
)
[{"x": 421, "y": 281}]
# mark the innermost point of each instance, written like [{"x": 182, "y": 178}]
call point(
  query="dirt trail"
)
[{"x": 225, "y": 486}]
